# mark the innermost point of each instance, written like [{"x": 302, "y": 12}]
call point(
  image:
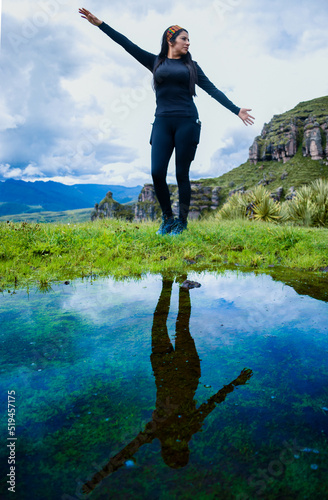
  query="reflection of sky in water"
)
[
  {"x": 243, "y": 302},
  {"x": 226, "y": 310},
  {"x": 108, "y": 323},
  {"x": 83, "y": 351}
]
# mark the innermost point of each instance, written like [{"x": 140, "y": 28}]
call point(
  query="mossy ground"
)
[{"x": 31, "y": 253}]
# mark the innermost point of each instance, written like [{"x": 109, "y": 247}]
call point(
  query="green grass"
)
[
  {"x": 72, "y": 216},
  {"x": 31, "y": 253}
]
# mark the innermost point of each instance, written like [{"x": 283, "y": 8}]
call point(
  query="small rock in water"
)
[
  {"x": 190, "y": 284},
  {"x": 129, "y": 463}
]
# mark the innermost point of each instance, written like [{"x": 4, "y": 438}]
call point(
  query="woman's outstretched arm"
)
[
  {"x": 245, "y": 116},
  {"x": 86, "y": 14},
  {"x": 147, "y": 59},
  {"x": 210, "y": 88}
]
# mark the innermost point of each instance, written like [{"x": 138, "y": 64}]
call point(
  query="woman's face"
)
[{"x": 181, "y": 44}]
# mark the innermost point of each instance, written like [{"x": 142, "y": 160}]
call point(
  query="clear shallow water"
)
[{"x": 136, "y": 389}]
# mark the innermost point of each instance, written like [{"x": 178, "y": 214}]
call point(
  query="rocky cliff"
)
[
  {"x": 306, "y": 125},
  {"x": 109, "y": 208},
  {"x": 204, "y": 199}
]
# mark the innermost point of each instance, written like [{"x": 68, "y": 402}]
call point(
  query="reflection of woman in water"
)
[{"x": 177, "y": 372}]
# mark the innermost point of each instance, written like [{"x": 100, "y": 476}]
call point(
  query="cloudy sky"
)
[{"x": 76, "y": 108}]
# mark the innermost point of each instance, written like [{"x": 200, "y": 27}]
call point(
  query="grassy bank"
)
[{"x": 43, "y": 253}]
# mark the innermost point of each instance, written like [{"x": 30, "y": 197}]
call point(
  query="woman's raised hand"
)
[
  {"x": 90, "y": 17},
  {"x": 245, "y": 116}
]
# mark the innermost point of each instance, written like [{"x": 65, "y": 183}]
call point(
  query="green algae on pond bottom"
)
[{"x": 143, "y": 389}]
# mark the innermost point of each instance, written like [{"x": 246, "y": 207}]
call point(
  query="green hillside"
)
[
  {"x": 67, "y": 216},
  {"x": 301, "y": 170},
  {"x": 292, "y": 126}
]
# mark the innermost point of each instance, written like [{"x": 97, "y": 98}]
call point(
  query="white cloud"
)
[
  {"x": 8, "y": 120},
  {"x": 7, "y": 172}
]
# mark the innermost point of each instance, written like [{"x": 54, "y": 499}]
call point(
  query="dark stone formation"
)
[
  {"x": 240, "y": 190},
  {"x": 109, "y": 208},
  {"x": 266, "y": 181},
  {"x": 291, "y": 193},
  {"x": 276, "y": 195},
  {"x": 147, "y": 206},
  {"x": 306, "y": 125},
  {"x": 190, "y": 284},
  {"x": 312, "y": 140},
  {"x": 204, "y": 199}
]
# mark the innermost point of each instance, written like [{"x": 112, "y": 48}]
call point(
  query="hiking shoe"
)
[
  {"x": 179, "y": 226},
  {"x": 166, "y": 226}
]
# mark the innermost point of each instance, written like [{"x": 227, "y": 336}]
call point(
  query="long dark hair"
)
[{"x": 187, "y": 59}]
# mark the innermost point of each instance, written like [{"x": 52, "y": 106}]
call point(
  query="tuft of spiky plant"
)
[
  {"x": 320, "y": 199},
  {"x": 310, "y": 205},
  {"x": 267, "y": 210},
  {"x": 234, "y": 208},
  {"x": 255, "y": 204},
  {"x": 256, "y": 194},
  {"x": 264, "y": 208}
]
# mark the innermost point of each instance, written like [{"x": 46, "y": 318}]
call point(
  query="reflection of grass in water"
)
[
  {"x": 58, "y": 251},
  {"x": 43, "y": 286}
]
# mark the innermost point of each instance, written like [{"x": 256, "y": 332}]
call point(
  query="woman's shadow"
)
[{"x": 177, "y": 372}]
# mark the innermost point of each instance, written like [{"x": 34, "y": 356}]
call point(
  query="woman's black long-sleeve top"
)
[{"x": 173, "y": 96}]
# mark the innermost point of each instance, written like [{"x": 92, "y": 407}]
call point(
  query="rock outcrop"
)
[
  {"x": 306, "y": 125},
  {"x": 313, "y": 138},
  {"x": 147, "y": 206},
  {"x": 204, "y": 199},
  {"x": 109, "y": 208}
]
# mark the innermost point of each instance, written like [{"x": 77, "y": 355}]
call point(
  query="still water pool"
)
[{"x": 148, "y": 390}]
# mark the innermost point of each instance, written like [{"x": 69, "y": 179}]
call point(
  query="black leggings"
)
[{"x": 181, "y": 133}]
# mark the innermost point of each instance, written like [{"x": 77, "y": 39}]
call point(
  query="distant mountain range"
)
[{"x": 27, "y": 197}]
